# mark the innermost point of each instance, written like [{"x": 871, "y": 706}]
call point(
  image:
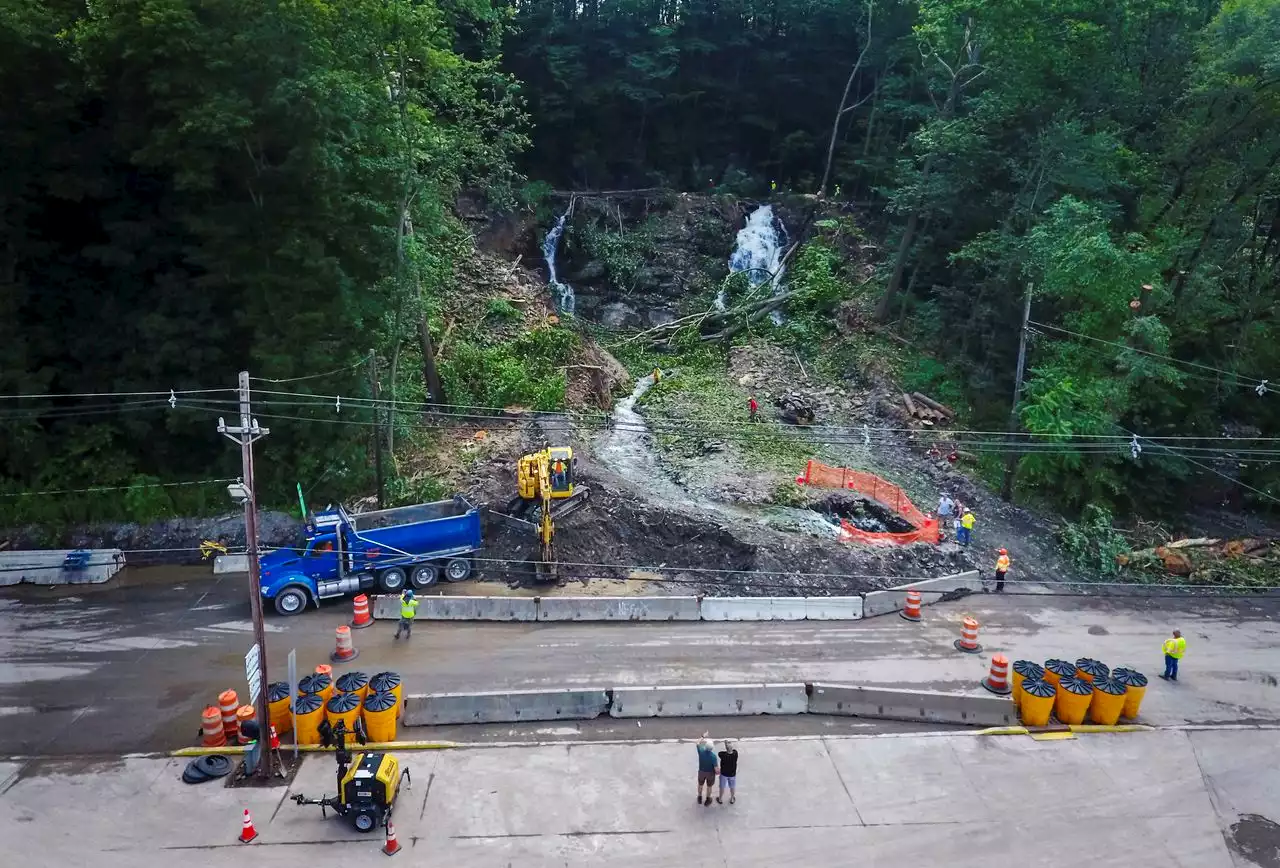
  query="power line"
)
[
  {"x": 165, "y": 393},
  {"x": 1252, "y": 381},
  {"x": 1178, "y": 454},
  {"x": 363, "y": 361},
  {"x": 115, "y": 488}
]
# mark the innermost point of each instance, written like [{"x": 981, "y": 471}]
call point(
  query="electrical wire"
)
[
  {"x": 116, "y": 488},
  {"x": 164, "y": 393},
  {"x": 352, "y": 367},
  {"x": 1178, "y": 454},
  {"x": 1251, "y": 381}
]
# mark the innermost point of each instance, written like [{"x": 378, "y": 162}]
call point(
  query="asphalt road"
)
[
  {"x": 1163, "y": 799},
  {"x": 128, "y": 667}
]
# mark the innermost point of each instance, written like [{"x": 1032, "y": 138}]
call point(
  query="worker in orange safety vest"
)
[{"x": 1002, "y": 567}]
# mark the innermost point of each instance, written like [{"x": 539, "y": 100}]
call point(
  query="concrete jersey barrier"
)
[
  {"x": 46, "y": 566},
  {"x": 573, "y": 703},
  {"x": 708, "y": 700},
  {"x": 931, "y": 591},
  {"x": 618, "y": 609},
  {"x": 433, "y": 608},
  {"x": 913, "y": 705}
]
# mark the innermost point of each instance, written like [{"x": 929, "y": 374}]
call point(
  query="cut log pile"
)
[
  {"x": 1181, "y": 557},
  {"x": 924, "y": 408}
]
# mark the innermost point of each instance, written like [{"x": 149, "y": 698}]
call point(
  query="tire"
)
[
  {"x": 291, "y": 601},
  {"x": 458, "y": 569},
  {"x": 365, "y": 820},
  {"x": 193, "y": 775},
  {"x": 424, "y": 576},
  {"x": 214, "y": 766},
  {"x": 393, "y": 580}
]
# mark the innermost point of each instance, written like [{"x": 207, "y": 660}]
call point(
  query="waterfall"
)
[
  {"x": 563, "y": 291},
  {"x": 758, "y": 251}
]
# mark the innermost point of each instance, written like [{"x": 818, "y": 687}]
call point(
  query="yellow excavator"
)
[{"x": 545, "y": 492}]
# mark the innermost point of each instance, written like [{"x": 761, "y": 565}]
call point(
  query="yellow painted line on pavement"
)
[
  {"x": 1121, "y": 727},
  {"x": 1052, "y": 736},
  {"x": 1004, "y": 730},
  {"x": 315, "y": 748}
]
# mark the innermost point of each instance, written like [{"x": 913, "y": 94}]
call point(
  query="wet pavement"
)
[
  {"x": 1166, "y": 799},
  {"x": 127, "y": 667}
]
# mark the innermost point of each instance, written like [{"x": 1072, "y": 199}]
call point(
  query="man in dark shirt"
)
[
  {"x": 728, "y": 772},
  {"x": 707, "y": 768}
]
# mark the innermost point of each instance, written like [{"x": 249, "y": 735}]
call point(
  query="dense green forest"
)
[{"x": 193, "y": 187}]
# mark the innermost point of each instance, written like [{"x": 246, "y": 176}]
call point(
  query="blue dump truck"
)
[{"x": 386, "y": 550}]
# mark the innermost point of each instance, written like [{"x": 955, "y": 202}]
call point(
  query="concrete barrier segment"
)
[
  {"x": 708, "y": 700},
  {"x": 509, "y": 706},
  {"x": 931, "y": 591},
  {"x": 618, "y": 609},
  {"x": 912, "y": 705}
]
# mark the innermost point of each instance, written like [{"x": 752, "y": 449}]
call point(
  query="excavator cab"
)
[{"x": 557, "y": 463}]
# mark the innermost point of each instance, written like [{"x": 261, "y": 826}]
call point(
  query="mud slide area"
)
[{"x": 638, "y": 515}]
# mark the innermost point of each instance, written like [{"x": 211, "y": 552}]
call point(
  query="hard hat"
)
[
  {"x": 1003, "y": 551},
  {"x": 408, "y": 592}
]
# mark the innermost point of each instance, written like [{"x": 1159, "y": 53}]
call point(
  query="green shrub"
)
[
  {"x": 503, "y": 311},
  {"x": 528, "y": 371},
  {"x": 1093, "y": 542}
]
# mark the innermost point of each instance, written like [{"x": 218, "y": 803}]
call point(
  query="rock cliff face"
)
[{"x": 634, "y": 260}]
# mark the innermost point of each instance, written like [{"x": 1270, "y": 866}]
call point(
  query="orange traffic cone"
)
[
  {"x": 247, "y": 832},
  {"x": 392, "y": 847}
]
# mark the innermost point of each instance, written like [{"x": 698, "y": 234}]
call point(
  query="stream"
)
[{"x": 626, "y": 449}]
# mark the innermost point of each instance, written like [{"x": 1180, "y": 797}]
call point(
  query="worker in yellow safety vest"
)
[
  {"x": 1174, "y": 648},
  {"x": 408, "y": 611},
  {"x": 1002, "y": 567},
  {"x": 965, "y": 535}
]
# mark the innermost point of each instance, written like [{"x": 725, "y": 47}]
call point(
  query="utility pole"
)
[
  {"x": 246, "y": 433},
  {"x": 1011, "y": 460},
  {"x": 377, "y": 425}
]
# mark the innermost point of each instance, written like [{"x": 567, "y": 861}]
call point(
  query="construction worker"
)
[
  {"x": 773, "y": 186},
  {"x": 753, "y": 409},
  {"x": 1002, "y": 567},
  {"x": 1174, "y": 648},
  {"x": 408, "y": 611},
  {"x": 966, "y": 528},
  {"x": 837, "y": 191},
  {"x": 558, "y": 477},
  {"x": 657, "y": 376}
]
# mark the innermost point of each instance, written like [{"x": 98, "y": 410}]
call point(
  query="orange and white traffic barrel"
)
[
  {"x": 361, "y": 616},
  {"x": 228, "y": 702},
  {"x": 968, "y": 641},
  {"x": 344, "y": 650},
  {"x": 211, "y": 727},
  {"x": 911, "y": 608},
  {"x": 997, "y": 680}
]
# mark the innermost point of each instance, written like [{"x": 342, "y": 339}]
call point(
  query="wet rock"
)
[
  {"x": 590, "y": 271},
  {"x": 617, "y": 315}
]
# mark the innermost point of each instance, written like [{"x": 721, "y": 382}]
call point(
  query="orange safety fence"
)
[{"x": 885, "y": 493}]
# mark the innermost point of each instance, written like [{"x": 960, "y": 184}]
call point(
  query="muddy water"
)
[{"x": 627, "y": 450}]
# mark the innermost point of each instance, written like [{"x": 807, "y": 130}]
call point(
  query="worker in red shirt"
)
[{"x": 753, "y": 408}]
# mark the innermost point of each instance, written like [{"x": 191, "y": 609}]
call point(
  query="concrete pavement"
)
[
  {"x": 1171, "y": 798},
  {"x": 129, "y": 666}
]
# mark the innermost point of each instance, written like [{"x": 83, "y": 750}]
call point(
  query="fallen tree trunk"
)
[
  {"x": 911, "y": 406},
  {"x": 934, "y": 405}
]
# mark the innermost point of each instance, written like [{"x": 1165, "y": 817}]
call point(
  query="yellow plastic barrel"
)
[
  {"x": 1024, "y": 670},
  {"x": 309, "y": 708},
  {"x": 319, "y": 684},
  {"x": 343, "y": 707},
  {"x": 1107, "y": 701},
  {"x": 1037, "y": 701},
  {"x": 389, "y": 682},
  {"x": 278, "y": 706},
  {"x": 1074, "y": 696},
  {"x": 1088, "y": 669},
  {"x": 354, "y": 682},
  {"x": 1055, "y": 670},
  {"x": 380, "y": 716},
  {"x": 1135, "y": 687}
]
